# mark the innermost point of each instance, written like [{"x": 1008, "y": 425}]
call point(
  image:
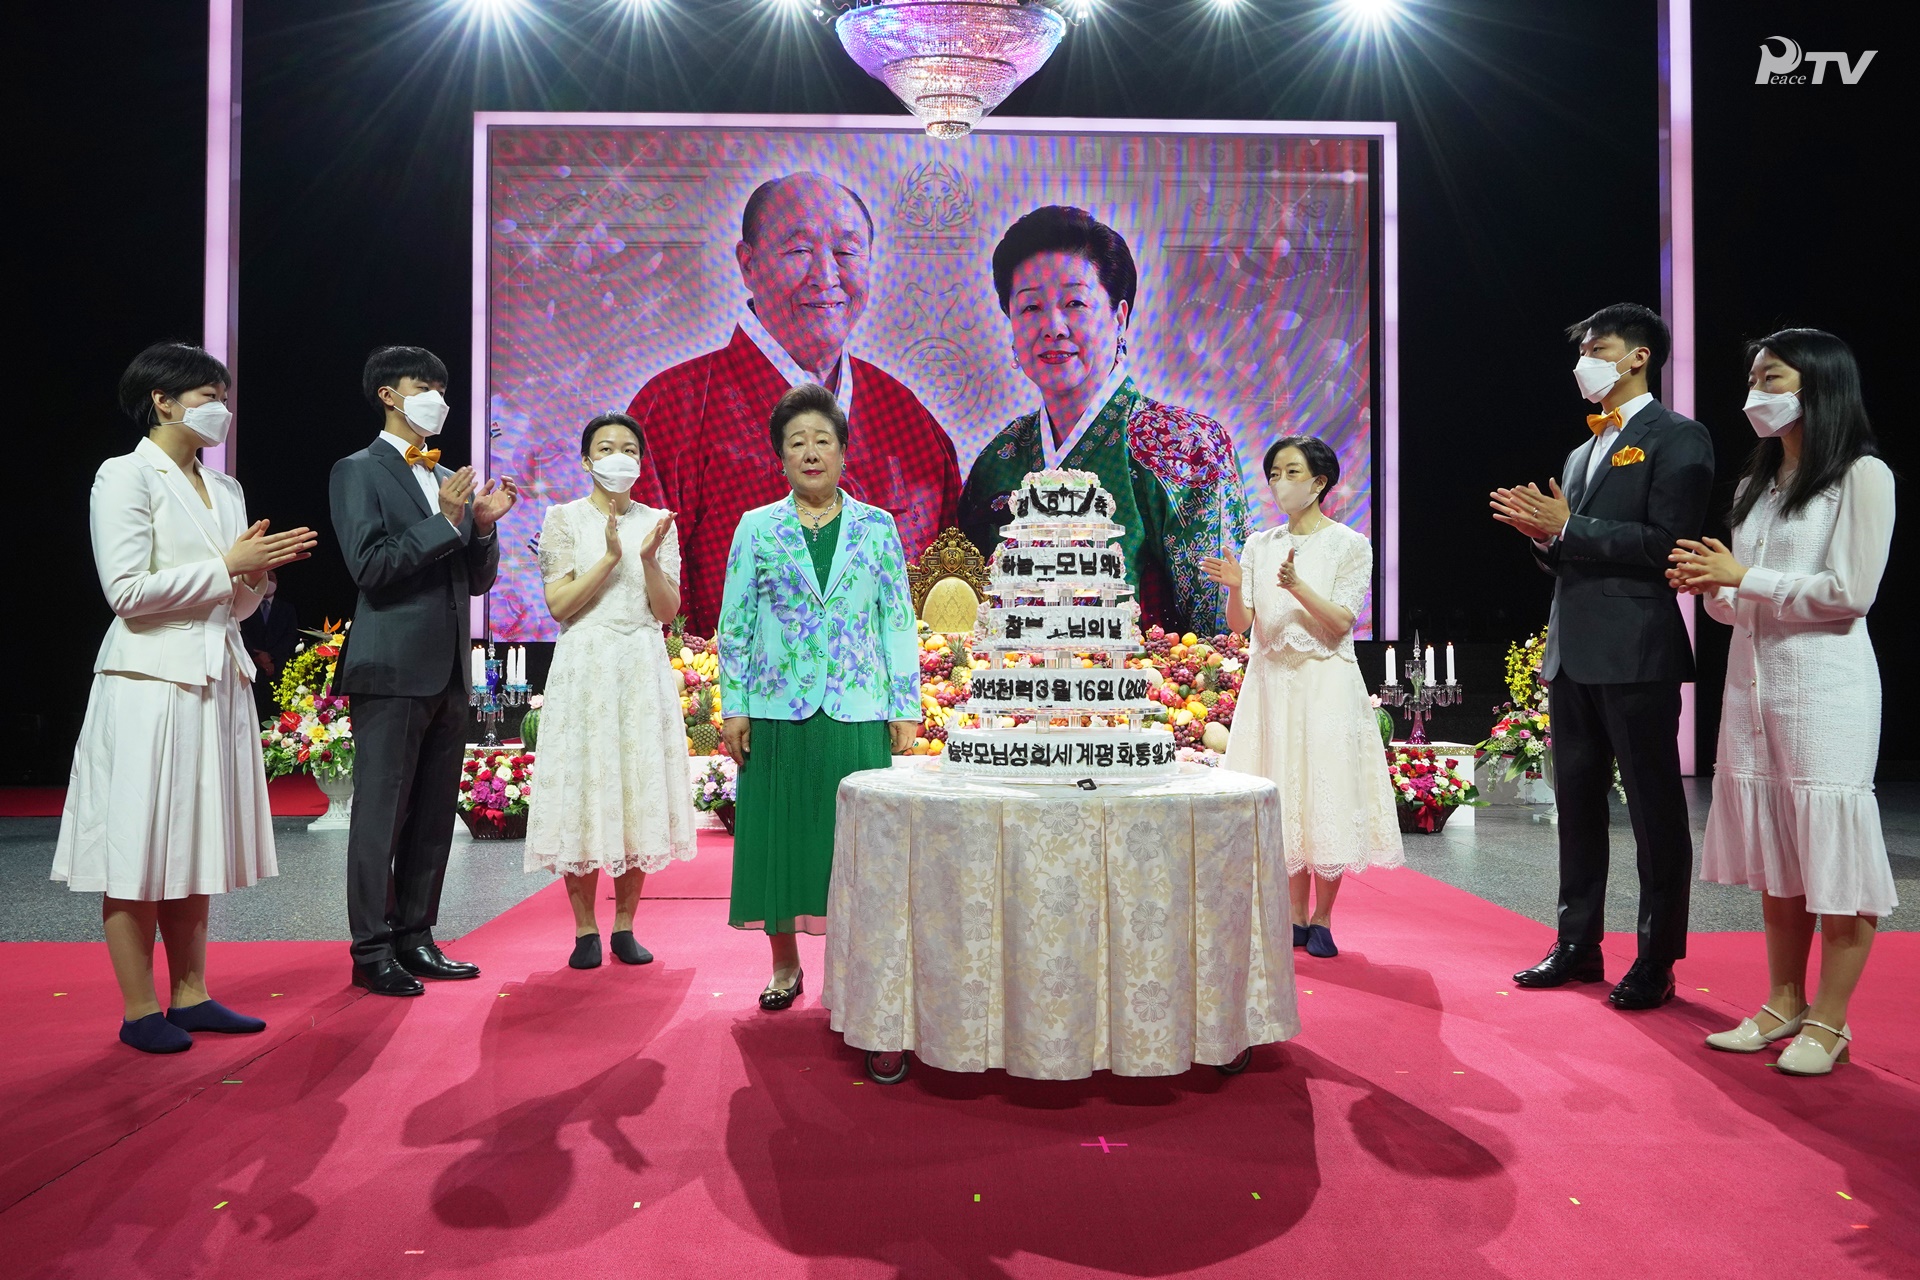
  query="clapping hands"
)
[
  {"x": 256, "y": 551},
  {"x": 1698, "y": 568},
  {"x": 1538, "y": 515}
]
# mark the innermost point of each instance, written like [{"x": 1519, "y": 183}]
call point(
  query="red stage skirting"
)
[
  {"x": 1430, "y": 1122},
  {"x": 294, "y": 796}
]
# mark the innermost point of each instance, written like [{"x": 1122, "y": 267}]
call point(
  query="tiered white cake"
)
[{"x": 1058, "y": 590}]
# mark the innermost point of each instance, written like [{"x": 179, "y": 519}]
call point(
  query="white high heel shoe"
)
[
  {"x": 1808, "y": 1057},
  {"x": 1749, "y": 1038}
]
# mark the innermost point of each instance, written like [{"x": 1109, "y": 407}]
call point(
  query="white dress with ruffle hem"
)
[{"x": 1793, "y": 806}]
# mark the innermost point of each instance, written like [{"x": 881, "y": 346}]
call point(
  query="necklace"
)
[{"x": 813, "y": 522}]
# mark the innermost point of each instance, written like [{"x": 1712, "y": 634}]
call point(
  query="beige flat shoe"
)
[
  {"x": 1749, "y": 1038},
  {"x": 1808, "y": 1057}
]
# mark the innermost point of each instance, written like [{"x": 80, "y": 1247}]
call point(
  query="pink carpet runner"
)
[{"x": 1430, "y": 1122}]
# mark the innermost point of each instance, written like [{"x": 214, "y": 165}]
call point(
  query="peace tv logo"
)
[{"x": 1784, "y": 67}]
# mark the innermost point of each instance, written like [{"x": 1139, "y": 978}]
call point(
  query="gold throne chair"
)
[{"x": 948, "y": 582}]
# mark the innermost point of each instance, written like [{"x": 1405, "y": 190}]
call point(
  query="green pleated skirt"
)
[{"x": 783, "y": 817}]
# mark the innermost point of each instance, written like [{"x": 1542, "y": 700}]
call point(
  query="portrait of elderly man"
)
[{"x": 806, "y": 258}]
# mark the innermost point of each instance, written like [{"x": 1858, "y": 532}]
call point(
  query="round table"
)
[{"x": 1139, "y": 927}]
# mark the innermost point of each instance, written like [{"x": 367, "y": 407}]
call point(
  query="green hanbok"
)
[{"x": 1176, "y": 488}]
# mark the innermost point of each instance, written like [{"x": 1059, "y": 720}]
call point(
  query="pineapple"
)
[
  {"x": 704, "y": 738},
  {"x": 677, "y": 636}
]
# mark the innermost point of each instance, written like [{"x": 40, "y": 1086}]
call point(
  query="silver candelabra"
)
[
  {"x": 1417, "y": 697},
  {"x": 491, "y": 699}
]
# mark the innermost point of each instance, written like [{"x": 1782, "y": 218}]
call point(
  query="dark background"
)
[{"x": 1528, "y": 189}]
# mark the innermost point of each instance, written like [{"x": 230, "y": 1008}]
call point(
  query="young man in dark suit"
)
[
  {"x": 271, "y": 634},
  {"x": 419, "y": 540},
  {"x": 1617, "y": 648}
]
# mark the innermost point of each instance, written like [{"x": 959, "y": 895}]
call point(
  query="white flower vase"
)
[{"x": 339, "y": 794}]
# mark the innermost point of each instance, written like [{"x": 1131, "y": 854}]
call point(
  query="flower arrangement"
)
[
  {"x": 495, "y": 788},
  {"x": 1523, "y": 735},
  {"x": 313, "y": 732},
  {"x": 1425, "y": 789},
  {"x": 714, "y": 788}
]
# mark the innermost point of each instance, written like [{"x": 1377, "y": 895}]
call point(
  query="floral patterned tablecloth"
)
[{"x": 1053, "y": 931}]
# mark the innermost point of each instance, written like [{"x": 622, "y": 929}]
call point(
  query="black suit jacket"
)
[
  {"x": 1615, "y": 620},
  {"x": 274, "y": 629},
  {"x": 415, "y": 572}
]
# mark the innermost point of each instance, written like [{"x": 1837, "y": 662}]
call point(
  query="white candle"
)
[
  {"x": 523, "y": 666},
  {"x": 1450, "y": 678},
  {"x": 1429, "y": 664},
  {"x": 518, "y": 655},
  {"x": 479, "y": 668},
  {"x": 1393, "y": 669}
]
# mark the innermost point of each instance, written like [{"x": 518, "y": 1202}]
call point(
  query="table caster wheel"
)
[
  {"x": 1235, "y": 1067},
  {"x": 887, "y": 1068}
]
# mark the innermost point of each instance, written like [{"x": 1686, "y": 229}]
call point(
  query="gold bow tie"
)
[
  {"x": 416, "y": 455},
  {"x": 1599, "y": 422}
]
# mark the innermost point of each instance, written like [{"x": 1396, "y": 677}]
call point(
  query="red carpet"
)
[
  {"x": 294, "y": 796},
  {"x": 650, "y": 1122}
]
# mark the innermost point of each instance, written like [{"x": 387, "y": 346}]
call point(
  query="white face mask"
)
[
  {"x": 1772, "y": 412},
  {"x": 426, "y": 412},
  {"x": 616, "y": 472},
  {"x": 1596, "y": 376},
  {"x": 1293, "y": 496},
  {"x": 209, "y": 421}
]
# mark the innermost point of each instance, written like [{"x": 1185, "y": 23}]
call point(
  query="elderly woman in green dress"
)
[
  {"x": 1066, "y": 282},
  {"x": 819, "y": 675}
]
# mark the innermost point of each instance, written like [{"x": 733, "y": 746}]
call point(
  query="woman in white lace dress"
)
[
  {"x": 1793, "y": 809},
  {"x": 613, "y": 794},
  {"x": 1304, "y": 718}
]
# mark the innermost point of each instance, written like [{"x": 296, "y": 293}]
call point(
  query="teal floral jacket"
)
[{"x": 789, "y": 648}]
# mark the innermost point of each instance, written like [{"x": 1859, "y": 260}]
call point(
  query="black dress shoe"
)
[
  {"x": 1567, "y": 962},
  {"x": 774, "y": 999},
  {"x": 425, "y": 961},
  {"x": 1646, "y": 986},
  {"x": 386, "y": 978}
]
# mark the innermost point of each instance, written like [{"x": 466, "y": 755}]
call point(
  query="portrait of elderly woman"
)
[
  {"x": 1067, "y": 283},
  {"x": 819, "y": 675}
]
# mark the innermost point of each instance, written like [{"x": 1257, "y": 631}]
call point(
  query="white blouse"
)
[
  {"x": 1816, "y": 586},
  {"x": 1334, "y": 560},
  {"x": 574, "y": 536}
]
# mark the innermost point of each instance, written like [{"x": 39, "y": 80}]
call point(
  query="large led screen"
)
[{"x": 619, "y": 270}]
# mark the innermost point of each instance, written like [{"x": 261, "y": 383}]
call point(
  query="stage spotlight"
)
[
  {"x": 492, "y": 10},
  {"x": 1371, "y": 13}
]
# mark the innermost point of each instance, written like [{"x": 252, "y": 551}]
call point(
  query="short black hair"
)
[
  {"x": 757, "y": 204},
  {"x": 612, "y": 420},
  {"x": 387, "y": 365},
  {"x": 1322, "y": 462},
  {"x": 172, "y": 369},
  {"x": 1060, "y": 228},
  {"x": 1633, "y": 324},
  {"x": 808, "y": 397}
]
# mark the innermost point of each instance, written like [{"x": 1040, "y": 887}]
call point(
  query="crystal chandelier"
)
[{"x": 951, "y": 61}]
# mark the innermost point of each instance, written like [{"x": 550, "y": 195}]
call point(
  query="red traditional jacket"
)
[{"x": 709, "y": 458}]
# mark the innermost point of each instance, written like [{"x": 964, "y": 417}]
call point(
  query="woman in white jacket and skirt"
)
[
  {"x": 168, "y": 798},
  {"x": 1794, "y": 814}
]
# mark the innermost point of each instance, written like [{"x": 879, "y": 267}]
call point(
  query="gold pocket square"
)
[{"x": 1627, "y": 457}]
